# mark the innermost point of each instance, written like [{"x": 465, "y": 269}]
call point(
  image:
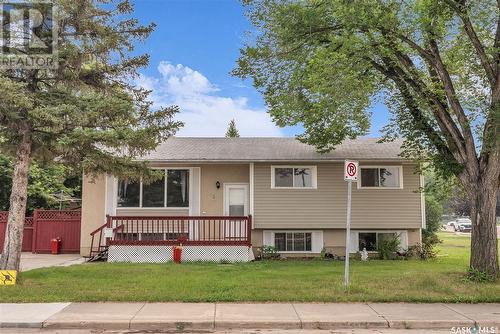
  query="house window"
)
[
  {"x": 151, "y": 236},
  {"x": 381, "y": 177},
  {"x": 293, "y": 177},
  {"x": 153, "y": 194},
  {"x": 178, "y": 188},
  {"x": 370, "y": 240},
  {"x": 293, "y": 241},
  {"x": 175, "y": 187},
  {"x": 129, "y": 193}
]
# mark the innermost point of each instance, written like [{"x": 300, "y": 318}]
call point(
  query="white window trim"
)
[
  {"x": 400, "y": 167},
  {"x": 164, "y": 207},
  {"x": 273, "y": 232},
  {"x": 314, "y": 176},
  {"x": 400, "y": 232}
]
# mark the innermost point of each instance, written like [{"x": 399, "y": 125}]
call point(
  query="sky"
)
[{"x": 193, "y": 49}]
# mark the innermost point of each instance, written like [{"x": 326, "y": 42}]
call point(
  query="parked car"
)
[
  {"x": 465, "y": 227},
  {"x": 452, "y": 224}
]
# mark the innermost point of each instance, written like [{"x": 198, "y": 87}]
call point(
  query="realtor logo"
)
[{"x": 28, "y": 35}]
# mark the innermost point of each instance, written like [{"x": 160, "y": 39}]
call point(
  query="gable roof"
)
[{"x": 179, "y": 149}]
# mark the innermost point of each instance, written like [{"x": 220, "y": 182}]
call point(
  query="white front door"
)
[{"x": 235, "y": 199}]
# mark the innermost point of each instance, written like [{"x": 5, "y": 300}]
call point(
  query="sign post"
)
[{"x": 350, "y": 174}]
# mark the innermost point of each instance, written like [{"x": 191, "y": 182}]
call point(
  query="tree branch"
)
[
  {"x": 412, "y": 105},
  {"x": 440, "y": 108},
  {"x": 423, "y": 52},
  {"x": 461, "y": 10},
  {"x": 455, "y": 105}
]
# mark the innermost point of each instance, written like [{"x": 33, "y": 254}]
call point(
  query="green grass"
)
[{"x": 438, "y": 280}]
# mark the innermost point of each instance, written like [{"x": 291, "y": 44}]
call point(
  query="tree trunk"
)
[
  {"x": 484, "y": 243},
  {"x": 11, "y": 254}
]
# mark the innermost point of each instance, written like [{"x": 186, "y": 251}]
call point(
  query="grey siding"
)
[{"x": 325, "y": 207}]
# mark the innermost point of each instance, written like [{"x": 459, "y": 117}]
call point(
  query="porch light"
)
[{"x": 217, "y": 184}]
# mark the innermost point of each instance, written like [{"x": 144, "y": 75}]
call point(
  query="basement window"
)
[{"x": 293, "y": 242}]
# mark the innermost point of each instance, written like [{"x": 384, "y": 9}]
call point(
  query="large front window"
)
[
  {"x": 294, "y": 177},
  {"x": 380, "y": 177},
  {"x": 293, "y": 241},
  {"x": 174, "y": 186}
]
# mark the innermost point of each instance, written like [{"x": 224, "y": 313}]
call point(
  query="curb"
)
[{"x": 225, "y": 325}]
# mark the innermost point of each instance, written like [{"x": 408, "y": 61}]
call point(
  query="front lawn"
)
[{"x": 439, "y": 280}]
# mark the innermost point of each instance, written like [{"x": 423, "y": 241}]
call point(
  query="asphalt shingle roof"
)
[{"x": 269, "y": 149}]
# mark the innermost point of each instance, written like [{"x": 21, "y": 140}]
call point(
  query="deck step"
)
[{"x": 98, "y": 255}]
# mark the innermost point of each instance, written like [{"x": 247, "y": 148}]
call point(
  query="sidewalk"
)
[
  {"x": 33, "y": 261},
  {"x": 210, "y": 316}
]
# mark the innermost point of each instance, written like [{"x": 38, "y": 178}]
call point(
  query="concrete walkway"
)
[
  {"x": 216, "y": 316},
  {"x": 33, "y": 261}
]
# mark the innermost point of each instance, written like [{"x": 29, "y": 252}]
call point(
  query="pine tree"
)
[
  {"x": 232, "y": 131},
  {"x": 85, "y": 114}
]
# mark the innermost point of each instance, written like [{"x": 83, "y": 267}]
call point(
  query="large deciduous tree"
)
[
  {"x": 321, "y": 63},
  {"x": 85, "y": 113}
]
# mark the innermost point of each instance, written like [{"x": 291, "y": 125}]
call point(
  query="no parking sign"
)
[{"x": 351, "y": 169}]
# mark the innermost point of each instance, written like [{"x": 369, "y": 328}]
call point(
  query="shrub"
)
[
  {"x": 326, "y": 254},
  {"x": 478, "y": 276},
  {"x": 420, "y": 251},
  {"x": 270, "y": 252},
  {"x": 425, "y": 250},
  {"x": 388, "y": 247}
]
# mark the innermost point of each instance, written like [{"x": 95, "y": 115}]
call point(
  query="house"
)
[{"x": 223, "y": 197}]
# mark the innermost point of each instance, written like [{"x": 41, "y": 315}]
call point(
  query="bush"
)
[
  {"x": 421, "y": 251},
  {"x": 478, "y": 276},
  {"x": 270, "y": 252},
  {"x": 425, "y": 250},
  {"x": 388, "y": 248}
]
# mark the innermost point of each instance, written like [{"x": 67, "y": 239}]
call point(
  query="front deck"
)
[{"x": 151, "y": 238}]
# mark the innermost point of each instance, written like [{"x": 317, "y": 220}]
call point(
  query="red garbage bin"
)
[
  {"x": 55, "y": 245},
  {"x": 177, "y": 250}
]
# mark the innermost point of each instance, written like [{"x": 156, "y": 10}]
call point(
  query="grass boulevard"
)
[{"x": 438, "y": 280}]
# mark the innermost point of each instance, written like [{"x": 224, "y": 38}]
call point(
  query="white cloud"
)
[{"x": 203, "y": 111}]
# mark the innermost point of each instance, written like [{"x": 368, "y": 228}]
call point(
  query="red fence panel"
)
[
  {"x": 27, "y": 233},
  {"x": 49, "y": 224}
]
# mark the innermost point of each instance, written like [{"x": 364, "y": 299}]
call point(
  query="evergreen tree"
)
[
  {"x": 232, "y": 131},
  {"x": 85, "y": 113}
]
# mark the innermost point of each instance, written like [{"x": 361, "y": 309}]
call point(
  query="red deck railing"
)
[{"x": 173, "y": 230}]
